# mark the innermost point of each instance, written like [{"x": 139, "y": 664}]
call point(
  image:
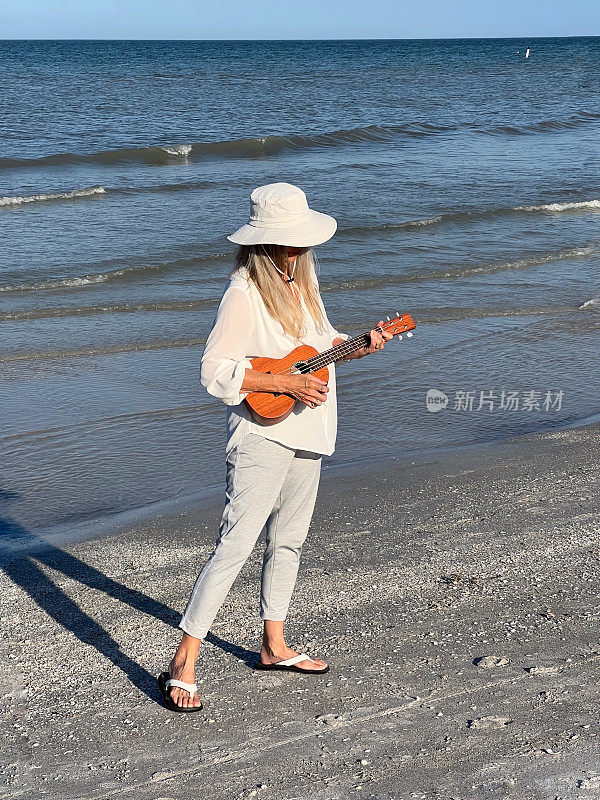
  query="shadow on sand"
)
[{"x": 23, "y": 568}]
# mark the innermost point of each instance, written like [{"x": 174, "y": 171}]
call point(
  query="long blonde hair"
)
[{"x": 279, "y": 301}]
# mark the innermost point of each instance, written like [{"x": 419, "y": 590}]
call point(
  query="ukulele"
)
[{"x": 269, "y": 408}]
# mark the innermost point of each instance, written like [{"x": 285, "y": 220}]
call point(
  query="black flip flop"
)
[
  {"x": 165, "y": 682},
  {"x": 289, "y": 665}
]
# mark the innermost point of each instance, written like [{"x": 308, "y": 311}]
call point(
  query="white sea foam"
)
[
  {"x": 584, "y": 205},
  {"x": 419, "y": 223},
  {"x": 37, "y": 198},
  {"x": 178, "y": 150},
  {"x": 593, "y": 303},
  {"x": 84, "y": 280}
]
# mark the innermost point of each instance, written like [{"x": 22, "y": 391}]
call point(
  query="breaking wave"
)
[
  {"x": 143, "y": 155},
  {"x": 178, "y": 150},
  {"x": 101, "y": 351},
  {"x": 553, "y": 208},
  {"x": 476, "y": 214},
  {"x": 114, "y": 275},
  {"x": 436, "y": 315},
  {"x": 260, "y": 146},
  {"x": 546, "y": 125},
  {"x": 118, "y": 308},
  {"x": 18, "y": 200},
  {"x": 459, "y": 272}
]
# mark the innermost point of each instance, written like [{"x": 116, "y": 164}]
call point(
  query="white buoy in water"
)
[{"x": 527, "y": 53}]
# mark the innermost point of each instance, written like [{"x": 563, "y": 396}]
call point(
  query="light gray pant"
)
[{"x": 268, "y": 486}]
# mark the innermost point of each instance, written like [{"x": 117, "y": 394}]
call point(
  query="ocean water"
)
[{"x": 465, "y": 180}]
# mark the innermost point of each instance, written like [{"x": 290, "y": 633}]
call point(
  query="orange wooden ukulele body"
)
[{"x": 269, "y": 408}]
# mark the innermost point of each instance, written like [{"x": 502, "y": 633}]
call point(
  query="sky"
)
[{"x": 296, "y": 19}]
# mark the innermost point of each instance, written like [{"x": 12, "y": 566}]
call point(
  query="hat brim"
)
[{"x": 318, "y": 229}]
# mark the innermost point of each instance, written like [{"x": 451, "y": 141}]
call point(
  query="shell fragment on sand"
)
[
  {"x": 485, "y": 723},
  {"x": 490, "y": 661}
]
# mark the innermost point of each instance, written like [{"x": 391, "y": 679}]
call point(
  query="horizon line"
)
[{"x": 339, "y": 39}]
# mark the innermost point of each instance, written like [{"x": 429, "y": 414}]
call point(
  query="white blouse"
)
[{"x": 244, "y": 329}]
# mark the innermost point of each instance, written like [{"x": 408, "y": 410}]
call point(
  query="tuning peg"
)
[
  {"x": 399, "y": 337},
  {"x": 397, "y": 313},
  {"x": 409, "y": 335},
  {"x": 388, "y": 319}
]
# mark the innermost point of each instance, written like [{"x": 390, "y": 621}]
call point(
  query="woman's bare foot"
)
[
  {"x": 275, "y": 649},
  {"x": 183, "y": 668},
  {"x": 270, "y": 655}
]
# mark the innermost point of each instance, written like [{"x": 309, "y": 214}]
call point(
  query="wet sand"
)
[{"x": 409, "y": 576}]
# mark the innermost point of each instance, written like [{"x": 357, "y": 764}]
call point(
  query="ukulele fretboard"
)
[{"x": 338, "y": 352}]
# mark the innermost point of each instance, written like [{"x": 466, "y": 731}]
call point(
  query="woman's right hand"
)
[{"x": 307, "y": 388}]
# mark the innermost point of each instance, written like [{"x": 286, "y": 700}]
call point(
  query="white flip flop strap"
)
[
  {"x": 294, "y": 660},
  {"x": 189, "y": 687}
]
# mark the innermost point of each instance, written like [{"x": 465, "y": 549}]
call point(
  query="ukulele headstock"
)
[{"x": 401, "y": 323}]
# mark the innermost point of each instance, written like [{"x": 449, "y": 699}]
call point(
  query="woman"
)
[{"x": 272, "y": 304}]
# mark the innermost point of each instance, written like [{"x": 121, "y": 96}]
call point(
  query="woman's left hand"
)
[{"x": 378, "y": 340}]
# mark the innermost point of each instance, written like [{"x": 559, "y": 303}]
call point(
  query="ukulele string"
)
[{"x": 323, "y": 358}]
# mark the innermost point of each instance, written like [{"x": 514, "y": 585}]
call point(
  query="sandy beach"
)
[{"x": 410, "y": 575}]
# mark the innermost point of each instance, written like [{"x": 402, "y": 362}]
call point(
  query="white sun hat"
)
[{"x": 279, "y": 214}]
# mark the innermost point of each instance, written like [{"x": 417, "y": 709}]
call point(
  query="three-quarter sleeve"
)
[{"x": 224, "y": 360}]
